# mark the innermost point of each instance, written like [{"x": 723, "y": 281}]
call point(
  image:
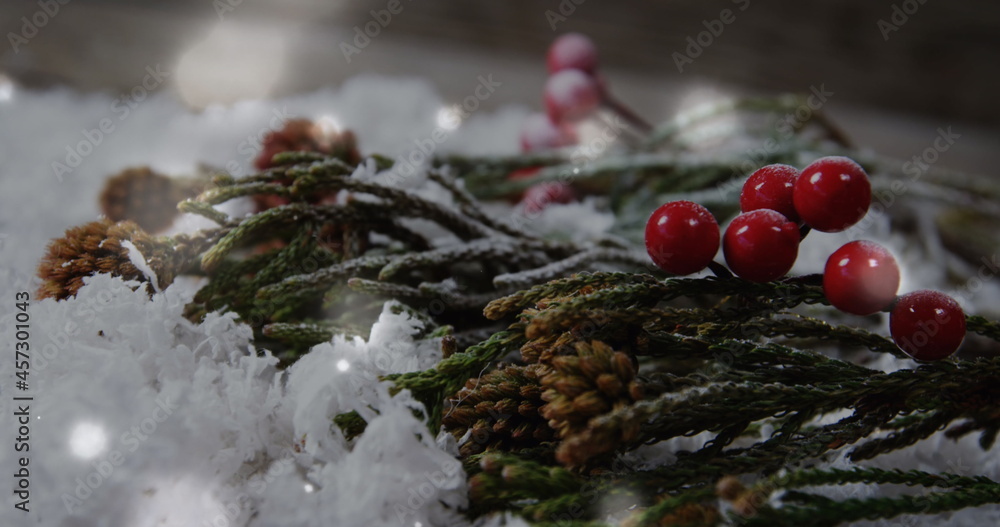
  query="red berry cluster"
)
[
  {"x": 779, "y": 205},
  {"x": 571, "y": 93}
]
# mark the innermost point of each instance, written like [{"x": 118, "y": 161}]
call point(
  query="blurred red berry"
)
[
  {"x": 572, "y": 51},
  {"x": 539, "y": 196},
  {"x": 861, "y": 278},
  {"x": 540, "y": 133},
  {"x": 570, "y": 95}
]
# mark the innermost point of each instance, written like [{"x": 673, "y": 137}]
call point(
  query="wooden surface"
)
[{"x": 938, "y": 69}]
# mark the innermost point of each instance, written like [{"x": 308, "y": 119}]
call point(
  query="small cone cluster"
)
[
  {"x": 303, "y": 135},
  {"x": 146, "y": 197},
  {"x": 97, "y": 247},
  {"x": 594, "y": 381},
  {"x": 501, "y": 409}
]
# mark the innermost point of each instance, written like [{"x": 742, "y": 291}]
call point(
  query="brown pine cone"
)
[
  {"x": 594, "y": 381},
  {"x": 303, "y": 135},
  {"x": 501, "y": 408},
  {"x": 96, "y": 247},
  {"x": 149, "y": 199}
]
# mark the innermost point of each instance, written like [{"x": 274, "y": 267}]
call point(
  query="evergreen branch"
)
[
  {"x": 322, "y": 279},
  {"x": 561, "y": 287},
  {"x": 872, "y": 475},
  {"x": 982, "y": 326},
  {"x": 781, "y": 294},
  {"x": 922, "y": 429},
  {"x": 698, "y": 409},
  {"x": 508, "y": 479},
  {"x": 823, "y": 512},
  {"x": 386, "y": 289},
  {"x": 265, "y": 221},
  {"x": 563, "y": 267},
  {"x": 455, "y": 300},
  {"x": 486, "y": 249},
  {"x": 218, "y": 195},
  {"x": 433, "y": 386},
  {"x": 307, "y": 334},
  {"x": 204, "y": 210},
  {"x": 472, "y": 208},
  {"x": 798, "y": 326},
  {"x": 403, "y": 203}
]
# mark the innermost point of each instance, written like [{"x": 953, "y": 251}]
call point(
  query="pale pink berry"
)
[
  {"x": 540, "y": 133},
  {"x": 572, "y": 51},
  {"x": 539, "y": 196},
  {"x": 570, "y": 95}
]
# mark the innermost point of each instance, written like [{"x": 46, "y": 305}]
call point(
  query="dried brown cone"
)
[
  {"x": 543, "y": 349},
  {"x": 501, "y": 409},
  {"x": 594, "y": 381},
  {"x": 97, "y": 247},
  {"x": 148, "y": 198},
  {"x": 303, "y": 135}
]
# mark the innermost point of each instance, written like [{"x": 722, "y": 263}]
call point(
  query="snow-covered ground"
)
[{"x": 141, "y": 418}]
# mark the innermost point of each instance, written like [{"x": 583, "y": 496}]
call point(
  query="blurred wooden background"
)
[{"x": 940, "y": 68}]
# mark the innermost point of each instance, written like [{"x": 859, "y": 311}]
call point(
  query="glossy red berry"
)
[
  {"x": 540, "y": 133},
  {"x": 572, "y": 51},
  {"x": 771, "y": 187},
  {"x": 682, "y": 237},
  {"x": 927, "y": 325},
  {"x": 539, "y": 196},
  {"x": 570, "y": 95},
  {"x": 761, "y": 245},
  {"x": 832, "y": 194},
  {"x": 861, "y": 278}
]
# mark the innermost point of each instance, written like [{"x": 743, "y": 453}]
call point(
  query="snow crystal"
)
[
  {"x": 139, "y": 261},
  {"x": 150, "y": 419}
]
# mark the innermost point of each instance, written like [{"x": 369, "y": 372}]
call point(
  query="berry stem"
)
[
  {"x": 627, "y": 113},
  {"x": 834, "y": 132}
]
